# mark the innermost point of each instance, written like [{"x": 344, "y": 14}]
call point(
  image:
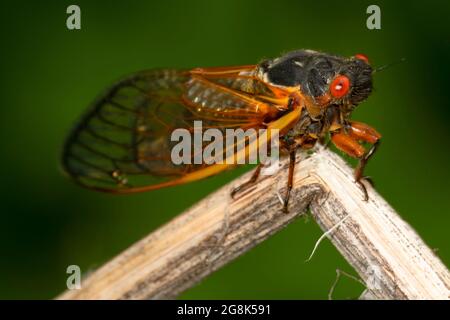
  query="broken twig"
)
[{"x": 385, "y": 251}]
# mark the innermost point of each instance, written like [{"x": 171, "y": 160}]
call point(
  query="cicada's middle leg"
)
[
  {"x": 292, "y": 158},
  {"x": 348, "y": 143}
]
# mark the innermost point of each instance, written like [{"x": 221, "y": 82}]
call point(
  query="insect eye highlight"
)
[
  {"x": 362, "y": 57},
  {"x": 340, "y": 86}
]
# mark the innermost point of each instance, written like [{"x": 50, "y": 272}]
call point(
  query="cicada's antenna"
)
[{"x": 385, "y": 66}]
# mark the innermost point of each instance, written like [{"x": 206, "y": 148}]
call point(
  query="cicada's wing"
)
[{"x": 123, "y": 143}]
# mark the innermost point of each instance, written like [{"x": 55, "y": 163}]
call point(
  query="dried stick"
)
[{"x": 385, "y": 251}]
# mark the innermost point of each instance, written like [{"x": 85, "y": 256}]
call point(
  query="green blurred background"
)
[{"x": 49, "y": 75}]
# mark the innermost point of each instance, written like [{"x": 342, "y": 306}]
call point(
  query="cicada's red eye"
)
[
  {"x": 362, "y": 57},
  {"x": 340, "y": 86}
]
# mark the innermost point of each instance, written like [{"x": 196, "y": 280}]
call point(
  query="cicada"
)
[{"x": 122, "y": 144}]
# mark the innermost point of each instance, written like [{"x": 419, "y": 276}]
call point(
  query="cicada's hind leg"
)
[
  {"x": 256, "y": 173},
  {"x": 248, "y": 183},
  {"x": 348, "y": 143}
]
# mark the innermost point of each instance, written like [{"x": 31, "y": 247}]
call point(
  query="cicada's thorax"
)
[{"x": 308, "y": 130}]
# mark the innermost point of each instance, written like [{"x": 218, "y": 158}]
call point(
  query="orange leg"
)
[
  {"x": 348, "y": 143},
  {"x": 362, "y": 131}
]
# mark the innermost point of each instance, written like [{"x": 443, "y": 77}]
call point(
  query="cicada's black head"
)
[{"x": 343, "y": 81}]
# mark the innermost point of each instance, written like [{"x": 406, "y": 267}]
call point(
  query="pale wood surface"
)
[{"x": 384, "y": 250}]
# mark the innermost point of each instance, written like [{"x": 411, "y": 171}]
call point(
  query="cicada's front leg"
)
[
  {"x": 363, "y": 132},
  {"x": 348, "y": 142}
]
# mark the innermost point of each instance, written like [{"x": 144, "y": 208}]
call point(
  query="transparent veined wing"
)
[{"x": 123, "y": 143}]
